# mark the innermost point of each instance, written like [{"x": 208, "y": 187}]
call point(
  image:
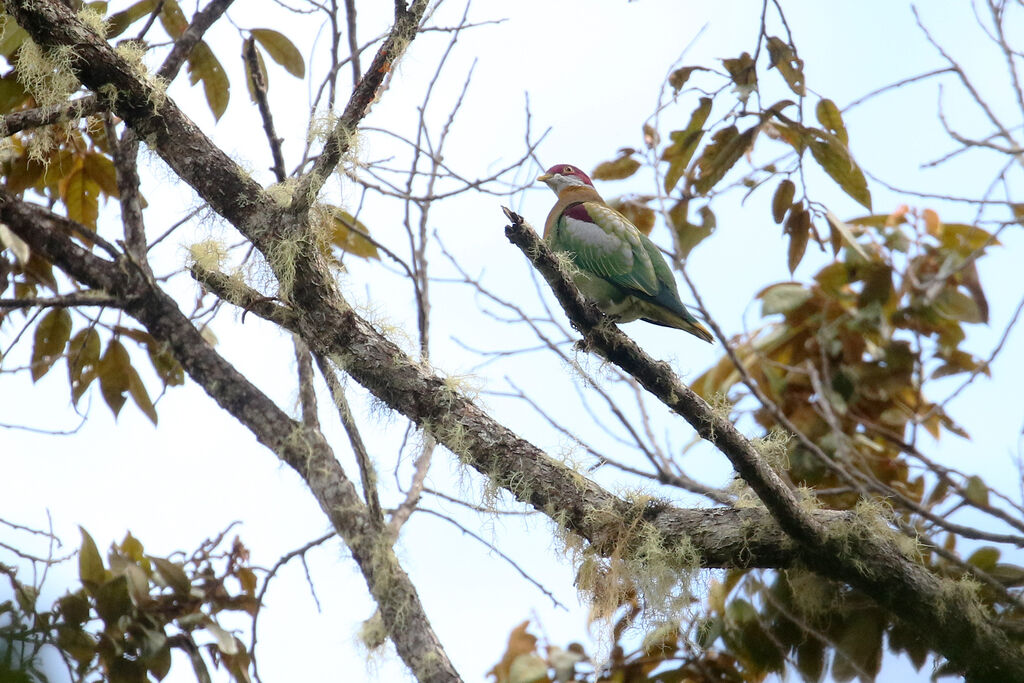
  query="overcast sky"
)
[{"x": 593, "y": 71}]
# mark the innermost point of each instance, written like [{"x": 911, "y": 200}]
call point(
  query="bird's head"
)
[{"x": 562, "y": 176}]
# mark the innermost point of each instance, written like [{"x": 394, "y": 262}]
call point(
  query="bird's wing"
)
[{"x": 603, "y": 242}]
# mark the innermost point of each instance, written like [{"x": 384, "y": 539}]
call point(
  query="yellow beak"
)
[{"x": 544, "y": 178}]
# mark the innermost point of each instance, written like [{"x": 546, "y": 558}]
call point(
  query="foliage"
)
[{"x": 131, "y": 610}]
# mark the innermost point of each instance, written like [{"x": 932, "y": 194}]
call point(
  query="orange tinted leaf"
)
[
  {"x": 618, "y": 169},
  {"x": 637, "y": 211},
  {"x": 520, "y": 643},
  {"x": 52, "y": 334},
  {"x": 834, "y": 158},
  {"x": 783, "y": 199},
  {"x": 281, "y": 50}
]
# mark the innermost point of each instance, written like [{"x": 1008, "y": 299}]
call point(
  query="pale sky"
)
[{"x": 593, "y": 72}]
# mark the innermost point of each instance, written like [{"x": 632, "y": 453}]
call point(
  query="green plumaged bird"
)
[{"x": 619, "y": 269}]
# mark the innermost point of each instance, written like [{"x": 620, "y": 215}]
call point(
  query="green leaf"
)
[
  {"x": 346, "y": 234},
  {"x": 689, "y": 235},
  {"x": 953, "y": 304},
  {"x": 281, "y": 50},
  {"x": 834, "y": 158},
  {"x": 113, "y": 371},
  {"x": 829, "y": 117},
  {"x": 120, "y": 21},
  {"x": 83, "y": 361},
  {"x": 90, "y": 564},
  {"x": 859, "y": 648},
  {"x": 173, "y": 19},
  {"x": 77, "y": 643},
  {"x": 726, "y": 148},
  {"x": 782, "y": 200},
  {"x": 617, "y": 169},
  {"x": 204, "y": 66},
  {"x": 976, "y": 491},
  {"x": 789, "y": 65},
  {"x": 12, "y": 93},
  {"x": 984, "y": 558},
  {"x": 13, "y": 37},
  {"x": 113, "y": 600},
  {"x": 1010, "y": 575},
  {"x": 51, "y": 337},
  {"x": 684, "y": 144},
  {"x": 783, "y": 298},
  {"x": 844, "y": 234},
  {"x": 74, "y": 608},
  {"x": 173, "y": 575}
]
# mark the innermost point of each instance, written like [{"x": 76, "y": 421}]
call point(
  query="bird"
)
[{"x": 618, "y": 267}]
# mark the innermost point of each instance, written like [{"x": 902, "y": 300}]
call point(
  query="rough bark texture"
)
[{"x": 836, "y": 545}]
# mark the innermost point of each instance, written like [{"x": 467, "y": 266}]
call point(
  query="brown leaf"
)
[
  {"x": 651, "y": 137},
  {"x": 519, "y": 643},
  {"x": 113, "y": 371},
  {"x": 783, "y": 200},
  {"x": 637, "y": 211},
  {"x": 789, "y": 65},
  {"x": 799, "y": 228},
  {"x": 727, "y": 147},
  {"x": 617, "y": 169}
]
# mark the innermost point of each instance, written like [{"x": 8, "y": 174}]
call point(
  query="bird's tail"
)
[{"x": 667, "y": 318}]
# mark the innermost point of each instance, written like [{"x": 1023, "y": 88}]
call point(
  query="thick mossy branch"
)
[{"x": 607, "y": 340}]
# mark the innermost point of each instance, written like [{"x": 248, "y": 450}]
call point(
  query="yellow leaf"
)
[
  {"x": 83, "y": 359},
  {"x": 113, "y": 371},
  {"x": 281, "y": 50},
  {"x": 81, "y": 197},
  {"x": 834, "y": 158},
  {"x": 346, "y": 234},
  {"x": 101, "y": 169},
  {"x": 637, "y": 211},
  {"x": 829, "y": 117}
]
